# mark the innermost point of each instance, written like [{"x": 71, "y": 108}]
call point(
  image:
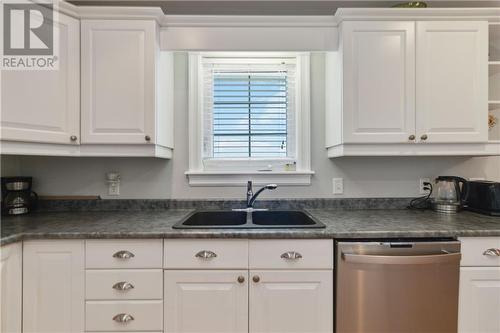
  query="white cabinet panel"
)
[
  {"x": 145, "y": 284},
  {"x": 123, "y": 253},
  {"x": 479, "y": 305},
  {"x": 224, "y": 253},
  {"x": 43, "y": 106},
  {"x": 147, "y": 315},
  {"x": 291, "y": 254},
  {"x": 291, "y": 301},
  {"x": 480, "y": 251},
  {"x": 452, "y": 81},
  {"x": 53, "y": 286},
  {"x": 379, "y": 81},
  {"x": 206, "y": 301},
  {"x": 118, "y": 81},
  {"x": 11, "y": 288}
]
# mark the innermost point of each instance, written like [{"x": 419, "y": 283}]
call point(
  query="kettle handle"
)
[{"x": 464, "y": 193}]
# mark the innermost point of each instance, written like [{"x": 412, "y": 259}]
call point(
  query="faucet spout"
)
[
  {"x": 252, "y": 197},
  {"x": 249, "y": 193}
]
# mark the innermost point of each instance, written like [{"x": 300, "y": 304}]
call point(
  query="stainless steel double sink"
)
[{"x": 254, "y": 219}]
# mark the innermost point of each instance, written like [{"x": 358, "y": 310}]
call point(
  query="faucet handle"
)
[{"x": 249, "y": 185}]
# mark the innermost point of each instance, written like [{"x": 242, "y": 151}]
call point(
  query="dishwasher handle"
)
[{"x": 401, "y": 260}]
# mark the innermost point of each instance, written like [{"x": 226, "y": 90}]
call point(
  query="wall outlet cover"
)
[{"x": 421, "y": 185}]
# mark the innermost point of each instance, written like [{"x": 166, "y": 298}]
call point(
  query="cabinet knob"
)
[
  {"x": 291, "y": 255},
  {"x": 123, "y": 255},
  {"x": 205, "y": 254},
  {"x": 147, "y": 138},
  {"x": 122, "y": 286},
  {"x": 492, "y": 252},
  {"x": 411, "y": 137},
  {"x": 256, "y": 278},
  {"x": 241, "y": 279},
  {"x": 424, "y": 137},
  {"x": 123, "y": 318},
  {"x": 73, "y": 138}
]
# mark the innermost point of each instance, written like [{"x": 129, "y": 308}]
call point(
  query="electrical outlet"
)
[
  {"x": 421, "y": 189},
  {"x": 338, "y": 185}
]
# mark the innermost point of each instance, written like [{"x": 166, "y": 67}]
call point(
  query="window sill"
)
[{"x": 240, "y": 178}]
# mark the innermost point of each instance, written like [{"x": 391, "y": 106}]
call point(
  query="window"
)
[
  {"x": 249, "y": 109},
  {"x": 249, "y": 114}
]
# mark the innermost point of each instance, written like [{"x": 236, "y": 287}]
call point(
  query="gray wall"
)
[{"x": 155, "y": 178}]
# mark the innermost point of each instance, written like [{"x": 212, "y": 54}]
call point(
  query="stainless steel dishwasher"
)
[{"x": 397, "y": 287}]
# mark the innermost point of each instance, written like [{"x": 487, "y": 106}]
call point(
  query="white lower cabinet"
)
[
  {"x": 291, "y": 301},
  {"x": 286, "y": 286},
  {"x": 206, "y": 301},
  {"x": 479, "y": 310},
  {"x": 11, "y": 265},
  {"x": 53, "y": 286},
  {"x": 479, "y": 303}
]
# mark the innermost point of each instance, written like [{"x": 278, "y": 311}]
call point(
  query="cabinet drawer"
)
[
  {"x": 124, "y": 284},
  {"x": 480, "y": 251},
  {"x": 291, "y": 254},
  {"x": 147, "y": 315},
  {"x": 206, "y": 254},
  {"x": 124, "y": 253}
]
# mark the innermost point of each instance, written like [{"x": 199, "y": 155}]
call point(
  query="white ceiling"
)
[{"x": 272, "y": 7}]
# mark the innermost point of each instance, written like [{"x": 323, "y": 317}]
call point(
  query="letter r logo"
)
[{"x": 28, "y": 29}]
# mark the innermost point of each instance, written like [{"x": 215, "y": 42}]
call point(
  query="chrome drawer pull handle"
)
[
  {"x": 291, "y": 255},
  {"x": 123, "y": 318},
  {"x": 492, "y": 252},
  {"x": 205, "y": 254},
  {"x": 123, "y": 255},
  {"x": 123, "y": 285}
]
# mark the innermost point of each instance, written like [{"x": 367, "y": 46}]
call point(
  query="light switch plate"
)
[{"x": 338, "y": 185}]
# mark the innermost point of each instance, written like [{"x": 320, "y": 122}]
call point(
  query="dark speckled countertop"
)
[{"x": 375, "y": 223}]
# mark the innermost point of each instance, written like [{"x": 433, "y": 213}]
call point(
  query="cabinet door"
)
[
  {"x": 44, "y": 105},
  {"x": 206, "y": 301},
  {"x": 53, "y": 287},
  {"x": 479, "y": 304},
  {"x": 118, "y": 81},
  {"x": 291, "y": 301},
  {"x": 452, "y": 81},
  {"x": 379, "y": 81},
  {"x": 11, "y": 288}
]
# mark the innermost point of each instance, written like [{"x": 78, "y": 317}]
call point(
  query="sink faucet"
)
[{"x": 251, "y": 197}]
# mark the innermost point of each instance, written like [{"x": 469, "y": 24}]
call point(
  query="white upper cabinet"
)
[
  {"x": 408, "y": 88},
  {"x": 379, "y": 81},
  {"x": 11, "y": 276},
  {"x": 53, "y": 286},
  {"x": 43, "y": 106},
  {"x": 452, "y": 81},
  {"x": 121, "y": 101}
]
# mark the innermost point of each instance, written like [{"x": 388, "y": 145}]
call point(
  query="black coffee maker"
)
[{"x": 17, "y": 196}]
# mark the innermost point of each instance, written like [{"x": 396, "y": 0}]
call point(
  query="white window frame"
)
[{"x": 236, "y": 172}]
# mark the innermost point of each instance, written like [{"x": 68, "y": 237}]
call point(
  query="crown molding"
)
[{"x": 421, "y": 14}]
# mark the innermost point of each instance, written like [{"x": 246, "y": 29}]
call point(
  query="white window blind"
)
[{"x": 249, "y": 108}]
